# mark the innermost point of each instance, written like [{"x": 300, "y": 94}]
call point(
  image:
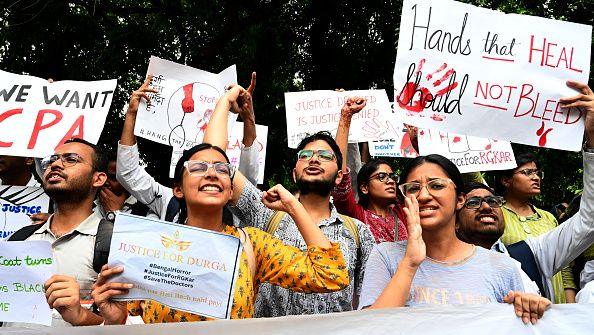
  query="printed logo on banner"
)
[
  {"x": 175, "y": 242},
  {"x": 473, "y": 71}
]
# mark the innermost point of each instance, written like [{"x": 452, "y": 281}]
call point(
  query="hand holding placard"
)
[{"x": 113, "y": 312}]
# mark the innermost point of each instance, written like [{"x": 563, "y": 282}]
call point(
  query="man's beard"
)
[
  {"x": 317, "y": 187},
  {"x": 77, "y": 191}
]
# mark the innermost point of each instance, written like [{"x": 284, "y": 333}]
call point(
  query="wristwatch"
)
[{"x": 110, "y": 216}]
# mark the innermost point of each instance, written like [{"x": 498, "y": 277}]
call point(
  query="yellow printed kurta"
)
[
  {"x": 519, "y": 228},
  {"x": 318, "y": 270}
]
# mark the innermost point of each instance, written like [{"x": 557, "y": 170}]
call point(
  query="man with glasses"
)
[{"x": 72, "y": 177}]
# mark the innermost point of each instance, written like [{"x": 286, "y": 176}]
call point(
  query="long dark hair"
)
[
  {"x": 450, "y": 169},
  {"x": 363, "y": 178},
  {"x": 179, "y": 172}
]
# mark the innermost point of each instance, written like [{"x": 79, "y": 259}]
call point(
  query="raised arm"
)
[
  {"x": 248, "y": 162},
  {"x": 352, "y": 106},
  {"x": 128, "y": 137}
]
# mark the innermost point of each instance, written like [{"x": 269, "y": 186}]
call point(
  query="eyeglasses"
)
[
  {"x": 493, "y": 201},
  {"x": 68, "y": 159},
  {"x": 199, "y": 168},
  {"x": 531, "y": 172},
  {"x": 323, "y": 155},
  {"x": 434, "y": 187},
  {"x": 383, "y": 177}
]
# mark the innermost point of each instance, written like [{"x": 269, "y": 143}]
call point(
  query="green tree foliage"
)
[{"x": 293, "y": 45}]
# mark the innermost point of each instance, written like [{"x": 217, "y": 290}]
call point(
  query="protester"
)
[
  {"x": 17, "y": 171},
  {"x": 114, "y": 197},
  {"x": 203, "y": 181},
  {"x": 316, "y": 172},
  {"x": 523, "y": 220},
  {"x": 143, "y": 186},
  {"x": 72, "y": 177},
  {"x": 378, "y": 206},
  {"x": 434, "y": 266}
]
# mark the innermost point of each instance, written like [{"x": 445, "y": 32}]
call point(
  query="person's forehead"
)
[
  {"x": 208, "y": 155},
  {"x": 318, "y": 145},
  {"x": 383, "y": 168},
  {"x": 81, "y": 149},
  {"x": 529, "y": 165},
  {"x": 479, "y": 192},
  {"x": 426, "y": 171}
]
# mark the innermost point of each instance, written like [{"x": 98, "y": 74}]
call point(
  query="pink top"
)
[{"x": 381, "y": 228}]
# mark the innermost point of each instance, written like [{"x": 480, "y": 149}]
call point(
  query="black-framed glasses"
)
[
  {"x": 531, "y": 172},
  {"x": 323, "y": 155},
  {"x": 199, "y": 168},
  {"x": 68, "y": 159},
  {"x": 384, "y": 176},
  {"x": 434, "y": 187},
  {"x": 493, "y": 201}
]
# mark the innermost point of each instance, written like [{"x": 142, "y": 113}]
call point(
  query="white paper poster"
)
[
  {"x": 473, "y": 71},
  {"x": 399, "y": 144},
  {"x": 36, "y": 116},
  {"x": 17, "y": 204},
  {"x": 312, "y": 111},
  {"x": 234, "y": 149},
  {"x": 24, "y": 268},
  {"x": 179, "y": 112},
  {"x": 470, "y": 154},
  {"x": 186, "y": 268}
]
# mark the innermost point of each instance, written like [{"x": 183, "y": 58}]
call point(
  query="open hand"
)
[
  {"x": 140, "y": 93},
  {"x": 528, "y": 306},
  {"x": 113, "y": 312},
  {"x": 416, "y": 251}
]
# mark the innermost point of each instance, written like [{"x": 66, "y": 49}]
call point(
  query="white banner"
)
[
  {"x": 186, "y": 268},
  {"x": 24, "y": 268},
  {"x": 399, "y": 144},
  {"x": 17, "y": 204},
  {"x": 312, "y": 111},
  {"x": 470, "y": 154},
  {"x": 495, "y": 319},
  {"x": 36, "y": 116},
  {"x": 473, "y": 71},
  {"x": 234, "y": 149},
  {"x": 179, "y": 112}
]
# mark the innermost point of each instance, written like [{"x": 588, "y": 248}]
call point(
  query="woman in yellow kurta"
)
[{"x": 203, "y": 179}]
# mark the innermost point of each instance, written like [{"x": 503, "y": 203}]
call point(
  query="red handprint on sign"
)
[{"x": 416, "y": 97}]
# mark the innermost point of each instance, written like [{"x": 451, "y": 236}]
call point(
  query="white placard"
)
[
  {"x": 179, "y": 112},
  {"x": 312, "y": 111},
  {"x": 186, "y": 268},
  {"x": 37, "y": 116},
  {"x": 473, "y": 71},
  {"x": 470, "y": 154},
  {"x": 234, "y": 149},
  {"x": 24, "y": 268},
  {"x": 399, "y": 144},
  {"x": 17, "y": 204}
]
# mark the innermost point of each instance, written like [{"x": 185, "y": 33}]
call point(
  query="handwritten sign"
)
[
  {"x": 37, "y": 116},
  {"x": 179, "y": 112},
  {"x": 234, "y": 149},
  {"x": 313, "y": 111},
  {"x": 470, "y": 154},
  {"x": 399, "y": 144},
  {"x": 182, "y": 267},
  {"x": 17, "y": 204},
  {"x": 473, "y": 71},
  {"x": 24, "y": 268}
]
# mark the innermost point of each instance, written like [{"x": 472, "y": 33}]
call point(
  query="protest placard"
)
[
  {"x": 183, "y": 267},
  {"x": 234, "y": 149},
  {"x": 36, "y": 116},
  {"x": 312, "y": 111},
  {"x": 399, "y": 144},
  {"x": 17, "y": 204},
  {"x": 24, "y": 268},
  {"x": 178, "y": 113},
  {"x": 473, "y": 71},
  {"x": 470, "y": 154}
]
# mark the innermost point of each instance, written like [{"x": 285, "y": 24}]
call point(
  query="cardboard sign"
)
[
  {"x": 37, "y": 116},
  {"x": 473, "y": 71},
  {"x": 179, "y": 112},
  {"x": 399, "y": 144},
  {"x": 234, "y": 149},
  {"x": 24, "y": 268},
  {"x": 17, "y": 204},
  {"x": 470, "y": 154},
  {"x": 312, "y": 111},
  {"x": 186, "y": 268}
]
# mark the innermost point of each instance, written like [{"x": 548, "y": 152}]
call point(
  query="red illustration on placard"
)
[
  {"x": 542, "y": 141},
  {"x": 410, "y": 100},
  {"x": 188, "y": 101}
]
